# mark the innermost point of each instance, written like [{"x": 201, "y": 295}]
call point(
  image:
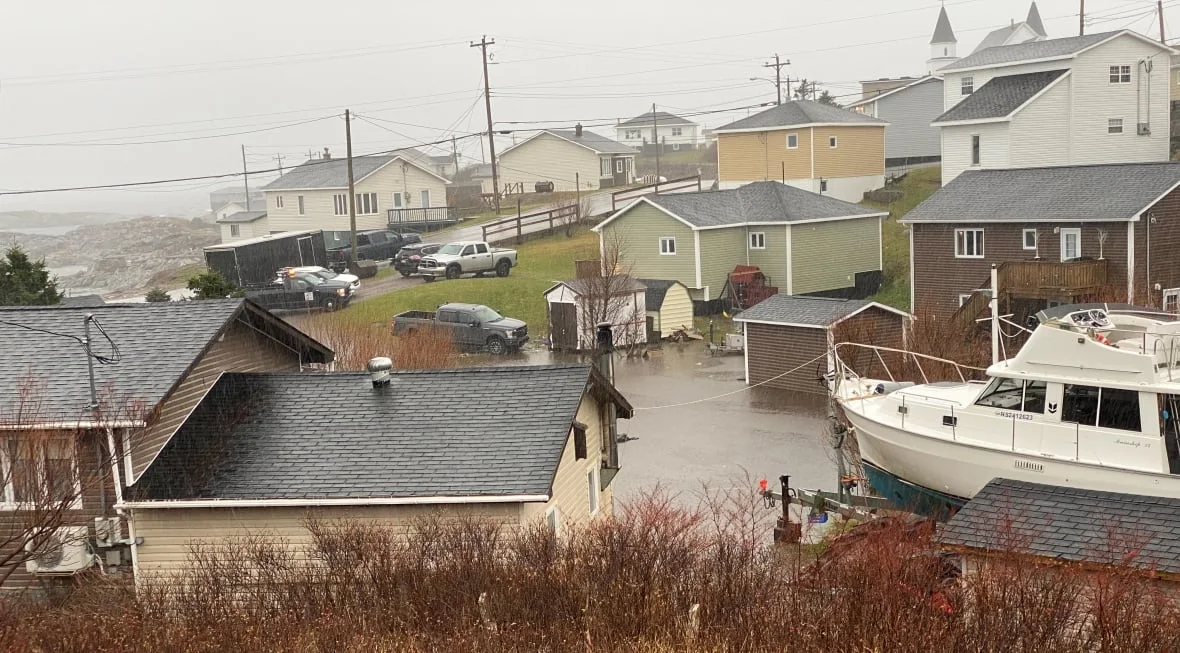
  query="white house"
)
[
  {"x": 314, "y": 195},
  {"x": 672, "y": 131},
  {"x": 569, "y": 159},
  {"x": 243, "y": 224},
  {"x": 1098, "y": 98}
]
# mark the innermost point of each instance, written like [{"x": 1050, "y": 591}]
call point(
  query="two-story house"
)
[
  {"x": 398, "y": 187},
  {"x": 672, "y": 132},
  {"x": 909, "y": 108},
  {"x": 1098, "y": 98},
  {"x": 819, "y": 148}
]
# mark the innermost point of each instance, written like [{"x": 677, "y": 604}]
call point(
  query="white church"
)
[{"x": 943, "y": 44}]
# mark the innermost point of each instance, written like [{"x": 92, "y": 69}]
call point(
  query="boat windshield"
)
[{"x": 1002, "y": 393}]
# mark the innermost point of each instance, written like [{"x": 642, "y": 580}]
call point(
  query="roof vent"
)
[
  {"x": 578, "y": 130},
  {"x": 379, "y": 371}
]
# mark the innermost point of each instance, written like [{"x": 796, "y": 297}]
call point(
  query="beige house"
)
[
  {"x": 805, "y": 144},
  {"x": 515, "y": 445},
  {"x": 569, "y": 159},
  {"x": 242, "y": 225},
  {"x": 314, "y": 195}
]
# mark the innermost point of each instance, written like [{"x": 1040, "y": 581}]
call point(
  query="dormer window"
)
[{"x": 967, "y": 85}]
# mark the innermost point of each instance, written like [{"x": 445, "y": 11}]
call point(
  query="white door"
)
[{"x": 1071, "y": 244}]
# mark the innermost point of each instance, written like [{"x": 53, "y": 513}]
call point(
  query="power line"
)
[{"x": 96, "y": 143}]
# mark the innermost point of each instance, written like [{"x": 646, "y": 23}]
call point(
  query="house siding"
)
[
  {"x": 909, "y": 113},
  {"x": 772, "y": 260},
  {"x": 1040, "y": 133},
  {"x": 956, "y": 148},
  {"x": 773, "y": 349},
  {"x": 570, "y": 493},
  {"x": 637, "y": 233},
  {"x": 1165, "y": 243},
  {"x": 814, "y": 269},
  {"x": 259, "y": 227},
  {"x": 859, "y": 151},
  {"x": 549, "y": 158},
  {"x": 241, "y": 349},
  {"x": 675, "y": 313},
  {"x": 761, "y": 156},
  {"x": 721, "y": 251}
]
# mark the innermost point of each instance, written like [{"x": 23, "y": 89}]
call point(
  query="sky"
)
[{"x": 120, "y": 91}]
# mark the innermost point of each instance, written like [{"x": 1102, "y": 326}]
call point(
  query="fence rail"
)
[
  {"x": 622, "y": 196},
  {"x": 521, "y": 223},
  {"x": 422, "y": 215}
]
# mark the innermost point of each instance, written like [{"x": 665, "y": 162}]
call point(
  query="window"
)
[
  {"x": 676, "y": 131},
  {"x": 1114, "y": 126},
  {"x": 1034, "y": 396},
  {"x": 1071, "y": 244},
  {"x": 1171, "y": 300},
  {"x": 823, "y": 185},
  {"x": 366, "y": 203},
  {"x": 667, "y": 245},
  {"x": 967, "y": 85},
  {"x": 975, "y": 149},
  {"x": 397, "y": 200},
  {"x": 757, "y": 240},
  {"x": 1119, "y": 410},
  {"x": 604, "y": 167},
  {"x": 40, "y": 472},
  {"x": 1002, "y": 393},
  {"x": 340, "y": 204},
  {"x": 1120, "y": 74},
  {"x": 1178, "y": 77},
  {"x": 792, "y": 141},
  {"x": 1029, "y": 239},
  {"x": 467, "y": 251},
  {"x": 619, "y": 166},
  {"x": 592, "y": 489},
  {"x": 299, "y": 201},
  {"x": 448, "y": 316},
  {"x": 832, "y": 142},
  {"x": 278, "y": 201},
  {"x": 579, "y": 441},
  {"x": 1079, "y": 404},
  {"x": 481, "y": 248},
  {"x": 235, "y": 230},
  {"x": 963, "y": 297},
  {"x": 425, "y": 199},
  {"x": 968, "y": 243}
]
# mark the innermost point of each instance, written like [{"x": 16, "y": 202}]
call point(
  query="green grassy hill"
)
[{"x": 915, "y": 188}]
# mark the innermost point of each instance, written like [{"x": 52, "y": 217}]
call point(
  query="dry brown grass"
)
[{"x": 356, "y": 344}]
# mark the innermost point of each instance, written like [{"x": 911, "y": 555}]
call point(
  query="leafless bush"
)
[{"x": 356, "y": 344}]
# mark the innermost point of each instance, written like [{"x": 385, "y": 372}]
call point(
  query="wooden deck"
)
[{"x": 1073, "y": 280}]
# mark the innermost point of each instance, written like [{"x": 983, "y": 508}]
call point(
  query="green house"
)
[{"x": 805, "y": 243}]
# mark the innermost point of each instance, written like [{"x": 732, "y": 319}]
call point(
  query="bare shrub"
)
[{"x": 356, "y": 344}]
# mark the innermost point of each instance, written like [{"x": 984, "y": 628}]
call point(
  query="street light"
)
[{"x": 772, "y": 81}]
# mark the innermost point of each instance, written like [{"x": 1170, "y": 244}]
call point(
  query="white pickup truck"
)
[{"x": 454, "y": 260}]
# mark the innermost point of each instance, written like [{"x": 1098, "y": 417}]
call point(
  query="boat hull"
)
[{"x": 911, "y": 497}]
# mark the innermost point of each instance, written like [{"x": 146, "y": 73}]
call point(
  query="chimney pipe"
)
[
  {"x": 606, "y": 345},
  {"x": 379, "y": 371},
  {"x": 578, "y": 130},
  {"x": 327, "y": 154}
]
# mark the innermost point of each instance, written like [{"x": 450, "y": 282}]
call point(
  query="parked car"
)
[
  {"x": 407, "y": 258},
  {"x": 453, "y": 260},
  {"x": 376, "y": 245},
  {"x": 473, "y": 326},
  {"x": 354, "y": 282},
  {"x": 302, "y": 291}
]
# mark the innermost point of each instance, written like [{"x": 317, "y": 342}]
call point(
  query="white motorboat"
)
[{"x": 1091, "y": 401}]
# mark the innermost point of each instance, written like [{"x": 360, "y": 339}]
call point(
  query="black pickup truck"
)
[
  {"x": 302, "y": 292},
  {"x": 377, "y": 245}
]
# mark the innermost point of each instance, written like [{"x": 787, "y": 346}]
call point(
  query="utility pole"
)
[
  {"x": 778, "y": 80},
  {"x": 279, "y": 158},
  {"x": 1082, "y": 18},
  {"x": 487, "y": 100},
  {"x": 351, "y": 190},
  {"x": 246, "y": 177},
  {"x": 655, "y": 137},
  {"x": 1159, "y": 4},
  {"x": 455, "y": 155}
]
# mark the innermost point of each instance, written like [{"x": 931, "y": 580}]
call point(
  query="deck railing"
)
[
  {"x": 1036, "y": 279},
  {"x": 422, "y": 215}
]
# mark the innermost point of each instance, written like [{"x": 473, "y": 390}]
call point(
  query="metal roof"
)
[
  {"x": 799, "y": 112},
  {"x": 1000, "y": 97},
  {"x": 762, "y": 201}
]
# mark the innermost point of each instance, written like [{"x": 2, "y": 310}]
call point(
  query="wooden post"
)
[{"x": 519, "y": 233}]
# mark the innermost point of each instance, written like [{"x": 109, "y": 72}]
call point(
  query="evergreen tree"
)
[
  {"x": 827, "y": 98},
  {"x": 25, "y": 282},
  {"x": 157, "y": 295},
  {"x": 211, "y": 285}
]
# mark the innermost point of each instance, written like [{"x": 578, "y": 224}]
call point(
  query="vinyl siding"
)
[
  {"x": 909, "y": 114},
  {"x": 638, "y": 234},
  {"x": 772, "y": 260},
  {"x": 570, "y": 492},
  {"x": 747, "y": 157},
  {"x": 319, "y": 207},
  {"x": 772, "y": 350},
  {"x": 859, "y": 151},
  {"x": 241, "y": 349},
  {"x": 549, "y": 158},
  {"x": 956, "y": 148},
  {"x": 815, "y": 268},
  {"x": 721, "y": 250},
  {"x": 1165, "y": 242},
  {"x": 1040, "y": 133},
  {"x": 259, "y": 227},
  {"x": 675, "y": 312}
]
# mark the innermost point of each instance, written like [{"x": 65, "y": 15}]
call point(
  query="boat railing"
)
[{"x": 846, "y": 372}]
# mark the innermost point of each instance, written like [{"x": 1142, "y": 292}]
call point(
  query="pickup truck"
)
[
  {"x": 453, "y": 260},
  {"x": 354, "y": 283},
  {"x": 473, "y": 326},
  {"x": 302, "y": 291},
  {"x": 407, "y": 258},
  {"x": 376, "y": 245}
]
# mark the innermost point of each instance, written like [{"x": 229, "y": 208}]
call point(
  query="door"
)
[
  {"x": 1071, "y": 244},
  {"x": 563, "y": 327},
  {"x": 482, "y": 259},
  {"x": 306, "y": 252},
  {"x": 469, "y": 332}
]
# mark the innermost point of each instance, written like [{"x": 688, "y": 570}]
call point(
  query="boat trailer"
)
[{"x": 843, "y": 502}]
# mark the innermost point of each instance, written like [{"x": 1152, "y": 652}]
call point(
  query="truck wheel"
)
[
  {"x": 503, "y": 267},
  {"x": 453, "y": 272},
  {"x": 405, "y": 273},
  {"x": 497, "y": 346},
  {"x": 427, "y": 279}
]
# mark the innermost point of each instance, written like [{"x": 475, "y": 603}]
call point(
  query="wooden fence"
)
[
  {"x": 530, "y": 223},
  {"x": 624, "y": 196}
]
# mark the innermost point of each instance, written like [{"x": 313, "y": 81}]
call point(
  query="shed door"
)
[
  {"x": 563, "y": 327},
  {"x": 306, "y": 251}
]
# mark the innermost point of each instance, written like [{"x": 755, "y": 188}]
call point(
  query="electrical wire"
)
[
  {"x": 115, "y": 356},
  {"x": 94, "y": 143},
  {"x": 739, "y": 390}
]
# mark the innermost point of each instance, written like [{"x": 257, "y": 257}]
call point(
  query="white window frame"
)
[
  {"x": 976, "y": 150},
  {"x": 793, "y": 136},
  {"x": 553, "y": 520},
  {"x": 833, "y": 142},
  {"x": 1024, "y": 240},
  {"x": 619, "y": 166},
  {"x": 340, "y": 204},
  {"x": 963, "y": 297},
  {"x": 677, "y": 131},
  {"x": 1120, "y": 74},
  {"x": 961, "y": 239},
  {"x": 604, "y": 167},
  {"x": 1075, "y": 231},
  {"x": 967, "y": 85},
  {"x": 8, "y": 493},
  {"x": 667, "y": 245},
  {"x": 397, "y": 199},
  {"x": 592, "y": 490},
  {"x": 757, "y": 240},
  {"x": 1114, "y": 126},
  {"x": 425, "y": 198},
  {"x": 299, "y": 201},
  {"x": 1171, "y": 295},
  {"x": 366, "y": 204},
  {"x": 278, "y": 201},
  {"x": 235, "y": 230}
]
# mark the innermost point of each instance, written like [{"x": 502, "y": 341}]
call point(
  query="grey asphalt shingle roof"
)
[
  {"x": 800, "y": 112},
  {"x": 818, "y": 312},
  {"x": 328, "y": 173},
  {"x": 489, "y": 431},
  {"x": 1047, "y": 49},
  {"x": 82, "y": 301},
  {"x": 621, "y": 284},
  {"x": 1065, "y": 193},
  {"x": 942, "y": 29},
  {"x": 242, "y": 216},
  {"x": 661, "y": 117},
  {"x": 762, "y": 201},
  {"x": 597, "y": 142},
  {"x": 1070, "y": 524},
  {"x": 1000, "y": 96},
  {"x": 657, "y": 290}
]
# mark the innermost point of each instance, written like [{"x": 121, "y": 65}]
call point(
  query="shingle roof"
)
[
  {"x": 762, "y": 201},
  {"x": 1067, "y": 193},
  {"x": 1000, "y": 96},
  {"x": 82, "y": 301},
  {"x": 657, "y": 290},
  {"x": 662, "y": 118},
  {"x": 942, "y": 29},
  {"x": 620, "y": 284},
  {"x": 242, "y": 216},
  {"x": 1070, "y": 524},
  {"x": 598, "y": 143},
  {"x": 800, "y": 112},
  {"x": 816, "y": 312},
  {"x": 1047, "y": 49},
  {"x": 328, "y": 173},
  {"x": 490, "y": 431},
  {"x": 995, "y": 38}
]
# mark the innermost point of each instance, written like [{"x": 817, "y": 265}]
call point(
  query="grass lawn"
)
[
  {"x": 541, "y": 262},
  {"x": 916, "y": 187}
]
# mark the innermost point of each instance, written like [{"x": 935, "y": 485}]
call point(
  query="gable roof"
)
[
  {"x": 812, "y": 312},
  {"x": 82, "y": 301},
  {"x": 661, "y": 117},
  {"x": 1070, "y": 524},
  {"x": 657, "y": 290},
  {"x": 472, "y": 433},
  {"x": 242, "y": 216},
  {"x": 317, "y": 174},
  {"x": 999, "y": 37},
  {"x": 762, "y": 202},
  {"x": 1050, "y": 49},
  {"x": 1001, "y": 97},
  {"x": 157, "y": 345},
  {"x": 618, "y": 285},
  {"x": 1096, "y": 193},
  {"x": 880, "y": 96},
  {"x": 1034, "y": 20},
  {"x": 594, "y": 142},
  {"x": 942, "y": 29},
  {"x": 799, "y": 113}
]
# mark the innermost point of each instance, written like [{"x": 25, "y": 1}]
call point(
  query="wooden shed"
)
[
  {"x": 669, "y": 307},
  {"x": 576, "y": 307},
  {"x": 787, "y": 336}
]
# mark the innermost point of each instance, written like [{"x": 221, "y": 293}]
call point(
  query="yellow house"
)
[
  {"x": 262, "y": 453},
  {"x": 813, "y": 146}
]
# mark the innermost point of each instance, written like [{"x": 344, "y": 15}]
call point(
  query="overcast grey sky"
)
[{"x": 137, "y": 70}]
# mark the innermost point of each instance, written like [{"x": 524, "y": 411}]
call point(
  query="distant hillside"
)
[{"x": 37, "y": 219}]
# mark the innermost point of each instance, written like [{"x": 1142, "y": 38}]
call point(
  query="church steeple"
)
[
  {"x": 943, "y": 32},
  {"x": 942, "y": 44},
  {"x": 1034, "y": 20}
]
